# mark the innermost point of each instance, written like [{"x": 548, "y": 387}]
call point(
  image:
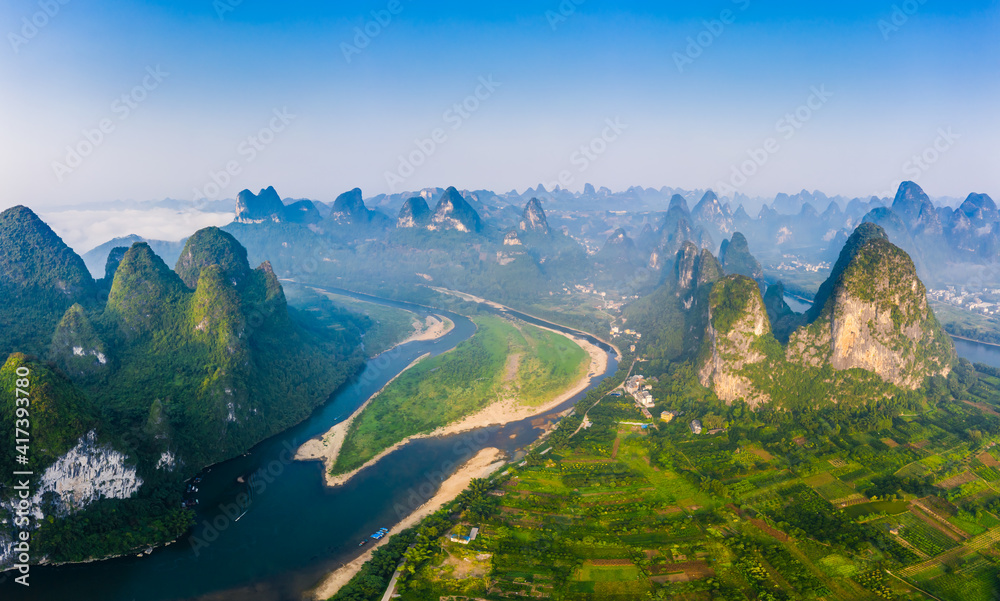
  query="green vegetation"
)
[
  {"x": 732, "y": 299},
  {"x": 57, "y": 412},
  {"x": 618, "y": 512},
  {"x": 202, "y": 366},
  {"x": 737, "y": 259},
  {"x": 384, "y": 327},
  {"x": 40, "y": 278},
  {"x": 503, "y": 360}
]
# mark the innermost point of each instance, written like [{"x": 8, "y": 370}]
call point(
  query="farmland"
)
[{"x": 901, "y": 511}]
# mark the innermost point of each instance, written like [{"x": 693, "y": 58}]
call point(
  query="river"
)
[{"x": 296, "y": 530}]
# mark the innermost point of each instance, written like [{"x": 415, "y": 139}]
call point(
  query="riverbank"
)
[
  {"x": 433, "y": 327},
  {"x": 993, "y": 344},
  {"x": 482, "y": 465},
  {"x": 476, "y": 299},
  {"x": 504, "y": 411},
  {"x": 327, "y": 447}
]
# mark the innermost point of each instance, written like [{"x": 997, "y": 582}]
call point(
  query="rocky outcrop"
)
[
  {"x": 455, "y": 213},
  {"x": 980, "y": 210},
  {"x": 713, "y": 214},
  {"x": 875, "y": 316},
  {"x": 709, "y": 269},
  {"x": 88, "y": 472},
  {"x": 349, "y": 209},
  {"x": 265, "y": 207},
  {"x": 737, "y": 323},
  {"x": 687, "y": 267},
  {"x": 737, "y": 259},
  {"x": 916, "y": 210},
  {"x": 534, "y": 220},
  {"x": 512, "y": 239},
  {"x": 303, "y": 212},
  {"x": 415, "y": 213}
]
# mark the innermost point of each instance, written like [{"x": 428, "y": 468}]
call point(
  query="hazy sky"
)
[{"x": 695, "y": 89}]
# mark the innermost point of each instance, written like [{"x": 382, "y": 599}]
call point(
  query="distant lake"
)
[
  {"x": 798, "y": 305},
  {"x": 978, "y": 352}
]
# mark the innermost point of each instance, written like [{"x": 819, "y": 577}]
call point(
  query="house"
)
[
  {"x": 634, "y": 384},
  {"x": 668, "y": 416},
  {"x": 464, "y": 540},
  {"x": 645, "y": 398},
  {"x": 695, "y": 426}
]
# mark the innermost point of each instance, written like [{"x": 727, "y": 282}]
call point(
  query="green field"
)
[
  {"x": 616, "y": 512},
  {"x": 503, "y": 360}
]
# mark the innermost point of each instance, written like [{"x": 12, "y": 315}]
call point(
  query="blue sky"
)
[{"x": 890, "y": 91}]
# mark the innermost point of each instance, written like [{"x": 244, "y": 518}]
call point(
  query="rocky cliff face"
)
[
  {"x": 872, "y": 314},
  {"x": 415, "y": 213},
  {"x": 455, "y": 213},
  {"x": 87, "y": 473},
  {"x": 737, "y": 324},
  {"x": 687, "y": 267},
  {"x": 265, "y": 207},
  {"x": 533, "y": 219},
  {"x": 878, "y": 319}
]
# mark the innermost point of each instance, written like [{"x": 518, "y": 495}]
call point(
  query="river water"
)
[{"x": 296, "y": 529}]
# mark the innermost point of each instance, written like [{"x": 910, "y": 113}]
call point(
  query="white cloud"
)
[{"x": 83, "y": 230}]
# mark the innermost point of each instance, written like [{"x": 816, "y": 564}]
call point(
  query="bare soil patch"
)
[{"x": 956, "y": 481}]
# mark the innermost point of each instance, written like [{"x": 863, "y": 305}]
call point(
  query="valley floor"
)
[{"x": 624, "y": 512}]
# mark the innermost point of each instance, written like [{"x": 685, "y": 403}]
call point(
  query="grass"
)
[
  {"x": 978, "y": 582},
  {"x": 504, "y": 359}
]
